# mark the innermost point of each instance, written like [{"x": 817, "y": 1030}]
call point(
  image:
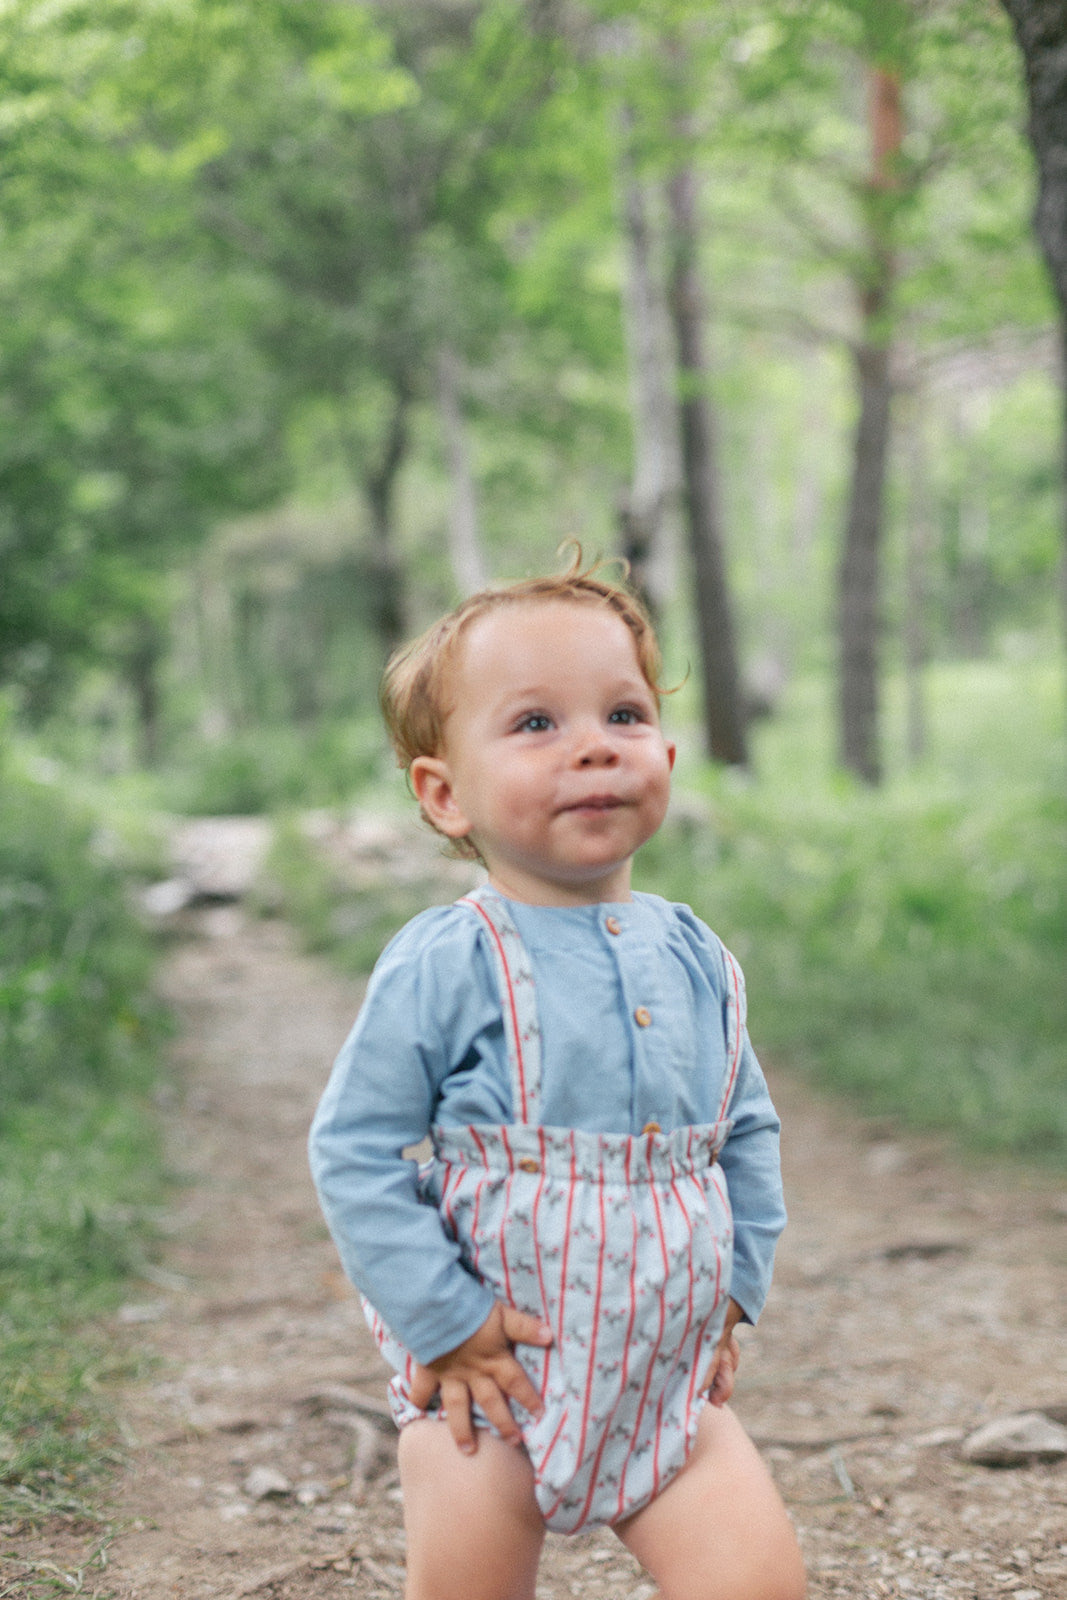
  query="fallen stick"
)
[{"x": 263, "y": 1580}]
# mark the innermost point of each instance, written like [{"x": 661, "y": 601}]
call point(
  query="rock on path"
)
[{"x": 917, "y": 1298}]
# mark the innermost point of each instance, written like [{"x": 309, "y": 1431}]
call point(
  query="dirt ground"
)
[{"x": 915, "y": 1298}]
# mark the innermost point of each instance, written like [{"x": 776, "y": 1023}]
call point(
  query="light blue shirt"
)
[{"x": 428, "y": 1047}]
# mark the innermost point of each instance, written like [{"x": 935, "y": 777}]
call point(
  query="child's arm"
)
[
  {"x": 422, "y": 1014},
  {"x": 751, "y": 1165},
  {"x": 483, "y": 1371}
]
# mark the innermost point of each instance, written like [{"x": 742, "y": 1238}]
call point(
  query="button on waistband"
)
[
  {"x": 651, "y": 1127},
  {"x": 528, "y": 1164}
]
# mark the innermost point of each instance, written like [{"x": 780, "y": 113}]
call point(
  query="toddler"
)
[{"x": 558, "y": 1288}]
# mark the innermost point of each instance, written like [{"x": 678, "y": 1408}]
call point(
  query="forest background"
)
[{"x": 318, "y": 315}]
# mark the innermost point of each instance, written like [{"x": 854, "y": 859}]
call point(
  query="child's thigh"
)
[
  {"x": 474, "y": 1531},
  {"x": 719, "y": 1531}
]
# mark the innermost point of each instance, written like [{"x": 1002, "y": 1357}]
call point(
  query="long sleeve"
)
[
  {"x": 417, "y": 1025},
  {"x": 750, "y": 1161}
]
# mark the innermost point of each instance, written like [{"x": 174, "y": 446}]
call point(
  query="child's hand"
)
[
  {"x": 718, "y": 1382},
  {"x": 483, "y": 1369}
]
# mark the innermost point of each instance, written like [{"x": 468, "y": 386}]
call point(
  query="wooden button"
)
[
  {"x": 613, "y": 924},
  {"x": 643, "y": 1017},
  {"x": 651, "y": 1127},
  {"x": 528, "y": 1164}
]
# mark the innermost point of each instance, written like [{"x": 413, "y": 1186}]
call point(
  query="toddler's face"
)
[{"x": 554, "y": 760}]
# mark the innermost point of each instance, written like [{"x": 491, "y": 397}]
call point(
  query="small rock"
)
[
  {"x": 265, "y": 1481},
  {"x": 166, "y": 898},
  {"x": 220, "y": 858},
  {"x": 924, "y": 1250},
  {"x": 1026, "y": 1594},
  {"x": 1016, "y": 1440},
  {"x": 886, "y": 1157},
  {"x": 151, "y": 1311},
  {"x": 311, "y": 1492},
  {"x": 233, "y": 1510},
  {"x": 936, "y": 1436}
]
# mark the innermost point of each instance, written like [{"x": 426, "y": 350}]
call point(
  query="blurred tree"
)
[
  {"x": 665, "y": 84},
  {"x": 889, "y": 126},
  {"x": 135, "y": 406},
  {"x": 1041, "y": 30},
  {"x": 370, "y": 224},
  {"x": 724, "y": 718},
  {"x": 859, "y": 576}
]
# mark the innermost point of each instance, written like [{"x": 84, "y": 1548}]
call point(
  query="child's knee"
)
[
  {"x": 473, "y": 1528},
  {"x": 720, "y": 1530}
]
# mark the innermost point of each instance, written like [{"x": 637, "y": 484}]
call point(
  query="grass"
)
[
  {"x": 79, "y": 1154},
  {"x": 348, "y": 924},
  {"x": 903, "y": 946}
]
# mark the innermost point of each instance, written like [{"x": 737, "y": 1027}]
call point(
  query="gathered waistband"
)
[{"x": 568, "y": 1153}]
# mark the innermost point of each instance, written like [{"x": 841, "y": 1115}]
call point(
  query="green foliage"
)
[
  {"x": 73, "y": 963},
  {"x": 904, "y": 948},
  {"x": 78, "y": 1182},
  {"x": 350, "y": 923},
  {"x": 271, "y": 768},
  {"x": 79, "y": 1160},
  {"x": 135, "y": 406}
]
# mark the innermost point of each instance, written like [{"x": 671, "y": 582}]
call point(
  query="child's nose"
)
[{"x": 596, "y": 749}]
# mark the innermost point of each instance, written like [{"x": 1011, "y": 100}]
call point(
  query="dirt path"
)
[{"x": 913, "y": 1301}]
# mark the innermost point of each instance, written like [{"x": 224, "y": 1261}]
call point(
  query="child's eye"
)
[
  {"x": 627, "y": 715},
  {"x": 535, "y": 722}
]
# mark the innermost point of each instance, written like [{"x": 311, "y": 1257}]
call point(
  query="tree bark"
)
[
  {"x": 645, "y": 514},
  {"x": 724, "y": 720},
  {"x": 1041, "y": 31},
  {"x": 387, "y": 580},
  {"x": 464, "y": 544},
  {"x": 859, "y": 572},
  {"x": 916, "y": 576},
  {"x": 146, "y": 654},
  {"x": 859, "y": 575}
]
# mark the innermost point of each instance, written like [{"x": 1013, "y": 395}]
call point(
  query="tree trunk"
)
[
  {"x": 1041, "y": 30},
  {"x": 859, "y": 573},
  {"x": 386, "y": 576},
  {"x": 645, "y": 514},
  {"x": 916, "y": 576},
  {"x": 143, "y": 663},
  {"x": 724, "y": 721},
  {"x": 464, "y": 544}
]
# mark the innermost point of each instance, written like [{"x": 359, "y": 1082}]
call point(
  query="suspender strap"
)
[
  {"x": 735, "y": 1029},
  {"x": 518, "y": 1001}
]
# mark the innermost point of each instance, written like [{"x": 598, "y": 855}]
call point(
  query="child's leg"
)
[
  {"x": 719, "y": 1531},
  {"x": 473, "y": 1528}
]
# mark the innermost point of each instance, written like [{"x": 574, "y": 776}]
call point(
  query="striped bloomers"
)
[{"x": 621, "y": 1243}]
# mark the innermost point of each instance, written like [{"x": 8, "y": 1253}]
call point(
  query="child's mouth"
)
[{"x": 595, "y": 802}]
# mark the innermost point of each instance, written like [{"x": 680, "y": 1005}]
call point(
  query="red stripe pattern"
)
[{"x": 622, "y": 1243}]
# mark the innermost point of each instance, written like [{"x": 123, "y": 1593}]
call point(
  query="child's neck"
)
[{"x": 613, "y": 886}]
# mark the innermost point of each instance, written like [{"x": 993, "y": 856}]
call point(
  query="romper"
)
[{"x": 622, "y": 1243}]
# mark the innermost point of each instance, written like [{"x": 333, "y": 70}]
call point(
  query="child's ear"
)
[{"x": 432, "y": 783}]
